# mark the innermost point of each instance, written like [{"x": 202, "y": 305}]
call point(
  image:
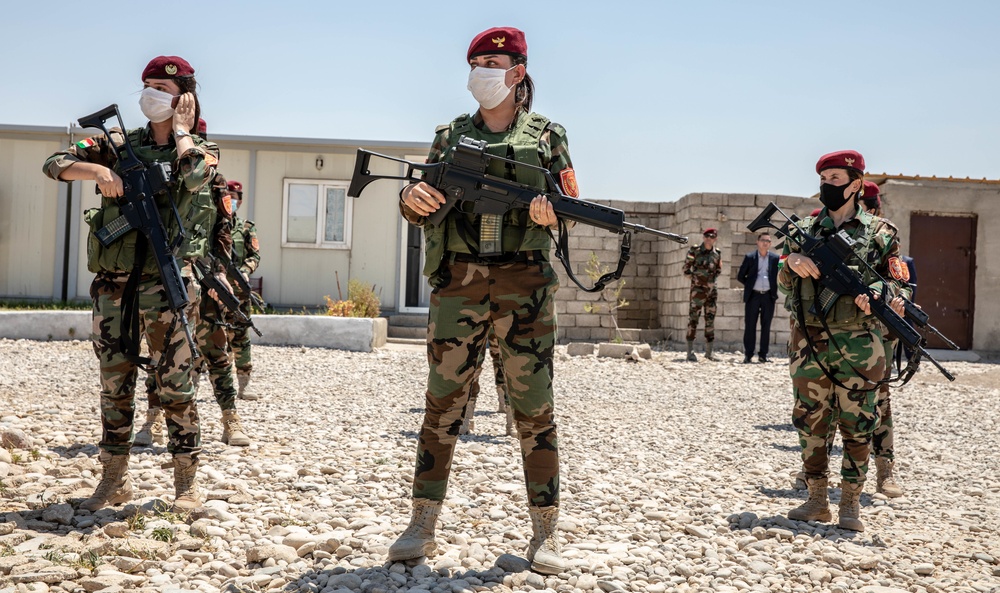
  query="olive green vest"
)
[
  {"x": 520, "y": 234},
  {"x": 844, "y": 312},
  {"x": 196, "y": 209},
  {"x": 239, "y": 241}
]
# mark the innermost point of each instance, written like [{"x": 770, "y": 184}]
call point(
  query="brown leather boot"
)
[
  {"x": 186, "y": 494},
  {"x": 817, "y": 508},
  {"x": 152, "y": 431},
  {"x": 418, "y": 539},
  {"x": 543, "y": 549},
  {"x": 884, "y": 480},
  {"x": 115, "y": 486},
  {"x": 232, "y": 431},
  {"x": 850, "y": 506}
]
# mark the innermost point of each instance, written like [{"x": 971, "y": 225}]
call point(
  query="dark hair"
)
[
  {"x": 525, "y": 90},
  {"x": 764, "y": 234},
  {"x": 188, "y": 84}
]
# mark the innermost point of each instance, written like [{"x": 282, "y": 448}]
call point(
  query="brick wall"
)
[{"x": 655, "y": 288}]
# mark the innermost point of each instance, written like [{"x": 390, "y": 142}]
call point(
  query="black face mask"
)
[{"x": 832, "y": 196}]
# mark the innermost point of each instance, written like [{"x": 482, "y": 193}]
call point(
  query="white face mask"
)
[
  {"x": 155, "y": 104},
  {"x": 487, "y": 85}
]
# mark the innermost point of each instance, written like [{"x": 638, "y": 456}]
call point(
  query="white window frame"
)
[{"x": 322, "y": 185}]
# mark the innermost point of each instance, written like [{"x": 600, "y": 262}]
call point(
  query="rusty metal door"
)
[{"x": 943, "y": 249}]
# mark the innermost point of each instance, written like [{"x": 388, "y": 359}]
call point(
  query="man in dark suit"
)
[{"x": 759, "y": 276}]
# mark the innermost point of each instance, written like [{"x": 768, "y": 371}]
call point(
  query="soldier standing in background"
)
[
  {"x": 169, "y": 100},
  {"x": 246, "y": 257},
  {"x": 703, "y": 264}
]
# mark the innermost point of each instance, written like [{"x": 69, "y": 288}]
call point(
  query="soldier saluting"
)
[{"x": 170, "y": 101}]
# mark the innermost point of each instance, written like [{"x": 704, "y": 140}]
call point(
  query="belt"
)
[
  {"x": 762, "y": 291},
  {"x": 519, "y": 257}
]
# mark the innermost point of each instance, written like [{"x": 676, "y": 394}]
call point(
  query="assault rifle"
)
[
  {"x": 467, "y": 186},
  {"x": 143, "y": 183},
  {"x": 229, "y": 300},
  {"x": 234, "y": 272},
  {"x": 837, "y": 279}
]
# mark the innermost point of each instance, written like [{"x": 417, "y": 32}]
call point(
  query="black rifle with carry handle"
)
[
  {"x": 830, "y": 255},
  {"x": 235, "y": 273},
  {"x": 467, "y": 186},
  {"x": 209, "y": 281},
  {"x": 143, "y": 183}
]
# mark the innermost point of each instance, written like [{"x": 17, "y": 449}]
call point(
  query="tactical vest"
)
[
  {"x": 519, "y": 234},
  {"x": 844, "y": 312},
  {"x": 239, "y": 241},
  {"x": 197, "y": 212}
]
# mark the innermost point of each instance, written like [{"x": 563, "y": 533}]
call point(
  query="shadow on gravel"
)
[
  {"x": 474, "y": 438},
  {"x": 413, "y": 574},
  {"x": 781, "y": 427}
]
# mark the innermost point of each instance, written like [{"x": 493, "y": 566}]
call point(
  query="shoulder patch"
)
[
  {"x": 227, "y": 206},
  {"x": 567, "y": 179},
  {"x": 211, "y": 160},
  {"x": 255, "y": 244},
  {"x": 86, "y": 143},
  {"x": 898, "y": 269}
]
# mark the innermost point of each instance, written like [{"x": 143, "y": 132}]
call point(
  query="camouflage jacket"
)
[
  {"x": 703, "y": 265},
  {"x": 876, "y": 243},
  {"x": 246, "y": 247}
]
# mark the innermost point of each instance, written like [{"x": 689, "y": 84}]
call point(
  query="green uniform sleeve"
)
[
  {"x": 553, "y": 148},
  {"x": 438, "y": 147},
  {"x": 196, "y": 167},
  {"x": 252, "y": 247},
  {"x": 95, "y": 150},
  {"x": 689, "y": 261}
]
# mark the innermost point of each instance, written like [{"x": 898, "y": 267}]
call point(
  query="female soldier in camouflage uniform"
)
[
  {"x": 836, "y": 362},
  {"x": 492, "y": 270},
  {"x": 168, "y": 137}
]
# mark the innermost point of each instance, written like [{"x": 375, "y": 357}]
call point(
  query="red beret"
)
[
  {"x": 816, "y": 212},
  {"x": 711, "y": 231},
  {"x": 202, "y": 126},
  {"x": 842, "y": 159},
  {"x": 235, "y": 186},
  {"x": 498, "y": 40},
  {"x": 871, "y": 190},
  {"x": 167, "y": 67}
]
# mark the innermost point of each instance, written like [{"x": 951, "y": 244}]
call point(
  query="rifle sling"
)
[
  {"x": 562, "y": 254},
  {"x": 129, "y": 338}
]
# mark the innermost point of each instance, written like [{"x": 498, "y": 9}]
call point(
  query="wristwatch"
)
[{"x": 181, "y": 133}]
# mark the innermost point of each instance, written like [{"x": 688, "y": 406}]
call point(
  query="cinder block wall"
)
[{"x": 655, "y": 288}]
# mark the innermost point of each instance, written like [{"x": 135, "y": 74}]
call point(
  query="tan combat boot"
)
[
  {"x": 709, "y": 348},
  {"x": 186, "y": 494},
  {"x": 115, "y": 486},
  {"x": 799, "y": 481},
  {"x": 885, "y": 483},
  {"x": 850, "y": 506},
  {"x": 418, "y": 539},
  {"x": 242, "y": 393},
  {"x": 691, "y": 357},
  {"x": 543, "y": 549},
  {"x": 502, "y": 401},
  {"x": 817, "y": 508},
  {"x": 232, "y": 431},
  {"x": 152, "y": 431}
]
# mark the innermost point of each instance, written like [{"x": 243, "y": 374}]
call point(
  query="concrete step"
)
[
  {"x": 414, "y": 333},
  {"x": 408, "y": 320}
]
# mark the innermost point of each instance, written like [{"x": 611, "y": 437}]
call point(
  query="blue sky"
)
[{"x": 660, "y": 99}]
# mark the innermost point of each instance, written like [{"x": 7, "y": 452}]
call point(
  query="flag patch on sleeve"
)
[{"x": 86, "y": 143}]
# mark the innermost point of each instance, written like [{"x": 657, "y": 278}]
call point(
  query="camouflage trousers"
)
[
  {"x": 702, "y": 297},
  {"x": 518, "y": 301},
  {"x": 213, "y": 345},
  {"x": 883, "y": 436},
  {"x": 494, "y": 348},
  {"x": 172, "y": 376},
  {"x": 239, "y": 341},
  {"x": 820, "y": 405}
]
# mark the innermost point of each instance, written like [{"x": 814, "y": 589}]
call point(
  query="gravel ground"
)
[{"x": 676, "y": 477}]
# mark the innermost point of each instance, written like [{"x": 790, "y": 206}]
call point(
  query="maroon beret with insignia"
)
[
  {"x": 711, "y": 232},
  {"x": 202, "y": 127},
  {"x": 815, "y": 212},
  {"x": 235, "y": 186},
  {"x": 842, "y": 159},
  {"x": 167, "y": 67},
  {"x": 498, "y": 40}
]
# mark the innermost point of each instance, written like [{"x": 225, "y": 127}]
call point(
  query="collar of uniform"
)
[
  {"x": 477, "y": 120},
  {"x": 146, "y": 137}
]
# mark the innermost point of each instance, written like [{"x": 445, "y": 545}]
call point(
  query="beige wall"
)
[
  {"x": 902, "y": 197},
  {"x": 28, "y": 205}
]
